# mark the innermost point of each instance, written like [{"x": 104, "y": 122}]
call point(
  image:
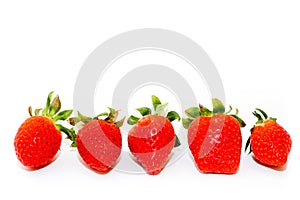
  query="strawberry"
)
[
  {"x": 39, "y": 137},
  {"x": 99, "y": 141},
  {"x": 269, "y": 142},
  {"x": 152, "y": 138},
  {"x": 214, "y": 138}
]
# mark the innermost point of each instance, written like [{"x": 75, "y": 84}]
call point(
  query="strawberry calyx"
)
[
  {"x": 158, "y": 109},
  {"x": 52, "y": 111},
  {"x": 218, "y": 108},
  {"x": 110, "y": 117},
  {"x": 261, "y": 118}
]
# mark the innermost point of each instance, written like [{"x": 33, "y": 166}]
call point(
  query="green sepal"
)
[
  {"x": 218, "y": 107},
  {"x": 120, "y": 122},
  {"x": 240, "y": 121},
  {"x": 37, "y": 111},
  {"x": 30, "y": 111},
  {"x": 69, "y": 132},
  {"x": 247, "y": 145},
  {"x": 205, "y": 111},
  {"x": 160, "y": 109},
  {"x": 132, "y": 120},
  {"x": 46, "y": 109},
  {"x": 82, "y": 118},
  {"x": 258, "y": 116},
  {"x": 186, "y": 122},
  {"x": 262, "y": 112},
  {"x": 55, "y": 106},
  {"x": 273, "y": 119},
  {"x": 144, "y": 111},
  {"x": 155, "y": 101},
  {"x": 63, "y": 115},
  {"x": 172, "y": 115},
  {"x": 101, "y": 115},
  {"x": 193, "y": 112},
  {"x": 177, "y": 141}
]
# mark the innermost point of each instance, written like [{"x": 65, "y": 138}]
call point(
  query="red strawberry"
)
[
  {"x": 99, "y": 142},
  {"x": 214, "y": 138},
  {"x": 39, "y": 138},
  {"x": 152, "y": 139},
  {"x": 269, "y": 142}
]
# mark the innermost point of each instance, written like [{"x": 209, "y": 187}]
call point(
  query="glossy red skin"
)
[
  {"x": 215, "y": 143},
  {"x": 99, "y": 144},
  {"x": 37, "y": 142},
  {"x": 270, "y": 143},
  {"x": 151, "y": 141}
]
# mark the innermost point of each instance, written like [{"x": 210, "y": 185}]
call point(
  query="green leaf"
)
[
  {"x": 193, "y": 112},
  {"x": 155, "y": 101},
  {"x": 240, "y": 121},
  {"x": 132, "y": 120},
  {"x": 218, "y": 106},
  {"x": 186, "y": 122},
  {"x": 177, "y": 142},
  {"x": 46, "y": 109},
  {"x": 144, "y": 111},
  {"x": 172, "y": 115},
  {"x": 63, "y": 115}
]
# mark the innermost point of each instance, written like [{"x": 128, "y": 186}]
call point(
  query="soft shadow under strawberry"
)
[
  {"x": 279, "y": 168},
  {"x": 32, "y": 169},
  {"x": 96, "y": 171}
]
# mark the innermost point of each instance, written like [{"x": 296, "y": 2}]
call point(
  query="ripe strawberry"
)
[
  {"x": 152, "y": 139},
  {"x": 99, "y": 141},
  {"x": 214, "y": 138},
  {"x": 269, "y": 142},
  {"x": 39, "y": 138}
]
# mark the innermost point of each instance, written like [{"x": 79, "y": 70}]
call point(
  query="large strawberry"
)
[
  {"x": 269, "y": 142},
  {"x": 214, "y": 138},
  {"x": 99, "y": 141},
  {"x": 39, "y": 137},
  {"x": 152, "y": 138}
]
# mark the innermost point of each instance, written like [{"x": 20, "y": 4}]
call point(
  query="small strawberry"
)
[
  {"x": 99, "y": 141},
  {"x": 152, "y": 138},
  {"x": 39, "y": 137},
  {"x": 269, "y": 142},
  {"x": 214, "y": 138}
]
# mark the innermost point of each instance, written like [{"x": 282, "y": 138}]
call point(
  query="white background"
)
[{"x": 254, "y": 44}]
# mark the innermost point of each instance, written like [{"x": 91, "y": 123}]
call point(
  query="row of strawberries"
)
[{"x": 214, "y": 137}]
